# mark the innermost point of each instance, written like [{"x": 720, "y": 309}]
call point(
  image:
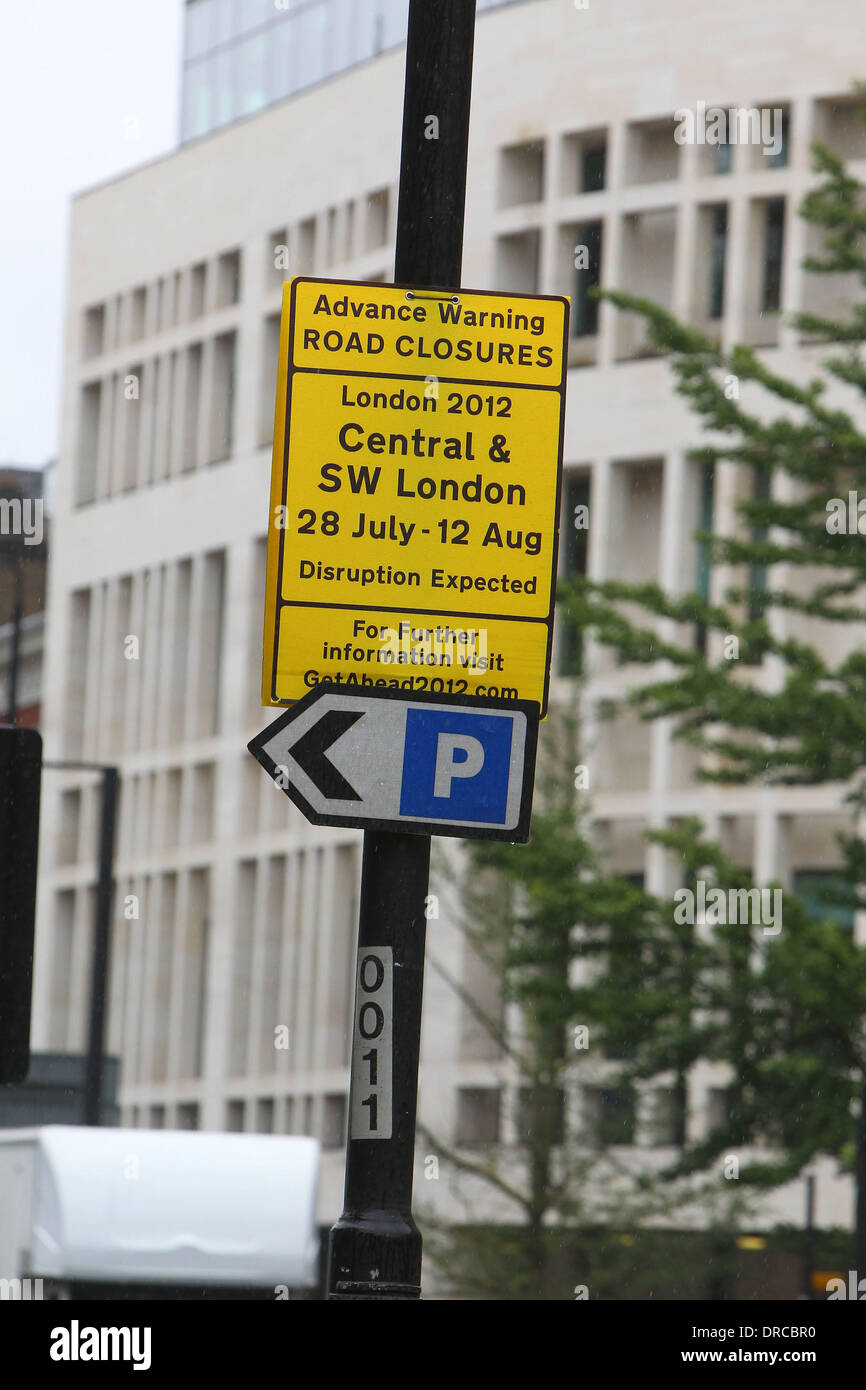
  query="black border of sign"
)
[
  {"x": 518, "y": 834},
  {"x": 559, "y": 389}
]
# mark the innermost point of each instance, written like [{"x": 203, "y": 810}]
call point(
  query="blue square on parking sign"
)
[{"x": 456, "y": 765}]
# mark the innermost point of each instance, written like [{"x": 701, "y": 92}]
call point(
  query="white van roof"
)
[{"x": 166, "y": 1206}]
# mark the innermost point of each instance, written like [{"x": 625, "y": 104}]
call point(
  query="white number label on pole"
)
[{"x": 372, "y": 1045}]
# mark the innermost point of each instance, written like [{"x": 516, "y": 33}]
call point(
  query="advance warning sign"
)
[{"x": 415, "y": 491}]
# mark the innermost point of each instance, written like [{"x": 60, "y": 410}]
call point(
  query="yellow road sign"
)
[{"x": 415, "y": 490}]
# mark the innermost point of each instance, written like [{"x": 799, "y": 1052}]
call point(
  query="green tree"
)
[
  {"x": 564, "y": 938},
  {"x": 791, "y": 710}
]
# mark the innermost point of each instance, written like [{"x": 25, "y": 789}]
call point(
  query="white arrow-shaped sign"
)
[{"x": 400, "y": 760}]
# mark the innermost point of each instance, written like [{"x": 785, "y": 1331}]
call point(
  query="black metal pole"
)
[
  {"x": 432, "y": 195},
  {"x": 809, "y": 1237},
  {"x": 375, "y": 1247},
  {"x": 15, "y": 654},
  {"x": 20, "y": 787},
  {"x": 101, "y": 949},
  {"x": 859, "y": 1234}
]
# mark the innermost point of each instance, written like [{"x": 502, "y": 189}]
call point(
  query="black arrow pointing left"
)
[{"x": 310, "y": 753}]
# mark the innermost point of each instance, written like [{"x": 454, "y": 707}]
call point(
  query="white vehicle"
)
[{"x": 135, "y": 1213}]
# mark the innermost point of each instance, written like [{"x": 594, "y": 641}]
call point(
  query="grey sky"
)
[{"x": 75, "y": 77}]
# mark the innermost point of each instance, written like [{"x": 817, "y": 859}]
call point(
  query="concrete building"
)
[{"x": 234, "y": 916}]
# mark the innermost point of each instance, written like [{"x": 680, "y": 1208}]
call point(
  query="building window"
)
[
  {"x": 135, "y": 388},
  {"x": 331, "y": 236},
  {"x": 574, "y": 563},
  {"x": 235, "y": 1116},
  {"x": 719, "y": 1107},
  {"x": 610, "y": 1113},
  {"x": 277, "y": 262},
  {"x": 137, "y": 313},
  {"x": 251, "y": 14},
  {"x": 376, "y": 229},
  {"x": 706, "y": 506},
  {"x": 312, "y": 34},
  {"x": 583, "y": 164},
  {"x": 826, "y": 897},
  {"x": 190, "y": 403},
  {"x": 517, "y": 259},
  {"x": 70, "y": 827},
  {"x": 61, "y": 967},
  {"x": 378, "y": 32},
  {"x": 265, "y": 1116},
  {"x": 304, "y": 248},
  {"x": 652, "y": 154},
  {"x": 348, "y": 231},
  {"x": 780, "y": 160},
  {"x": 270, "y": 354},
  {"x": 667, "y": 1118},
  {"x": 619, "y": 952},
  {"x": 243, "y": 54},
  {"x": 88, "y": 443},
  {"x": 521, "y": 174},
  {"x": 761, "y": 487},
  {"x": 76, "y": 672},
  {"x": 94, "y": 331},
  {"x": 199, "y": 23},
  {"x": 250, "y": 74},
  {"x": 176, "y": 300},
  {"x": 593, "y": 169},
  {"x": 587, "y": 276},
  {"x": 203, "y": 799},
  {"x": 718, "y": 251},
  {"x": 333, "y": 1121},
  {"x": 198, "y": 280},
  {"x": 774, "y": 236},
  {"x": 307, "y": 1115},
  {"x": 198, "y": 99},
  {"x": 284, "y": 58},
  {"x": 478, "y": 1111},
  {"x": 527, "y": 1116},
  {"x": 228, "y": 279},
  {"x": 211, "y": 638},
  {"x": 187, "y": 1116},
  {"x": 722, "y": 158},
  {"x": 222, "y": 420}
]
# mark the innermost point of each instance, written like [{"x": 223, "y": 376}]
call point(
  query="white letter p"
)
[{"x": 447, "y": 768}]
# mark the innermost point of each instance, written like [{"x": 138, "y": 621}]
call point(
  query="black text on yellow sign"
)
[{"x": 415, "y": 491}]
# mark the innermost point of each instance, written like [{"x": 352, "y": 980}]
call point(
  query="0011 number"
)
[{"x": 372, "y": 1050}]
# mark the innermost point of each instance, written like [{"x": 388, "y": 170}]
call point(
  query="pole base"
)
[{"x": 374, "y": 1254}]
